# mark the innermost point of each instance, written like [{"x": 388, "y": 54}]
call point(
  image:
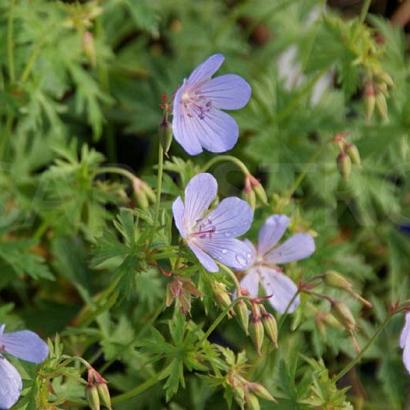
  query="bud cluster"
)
[
  {"x": 97, "y": 392},
  {"x": 254, "y": 190},
  {"x": 144, "y": 194},
  {"x": 348, "y": 155},
  {"x": 376, "y": 90}
]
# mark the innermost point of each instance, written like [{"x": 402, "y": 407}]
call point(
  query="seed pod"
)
[
  {"x": 344, "y": 164},
  {"x": 257, "y": 333},
  {"x": 354, "y": 154},
  {"x": 369, "y": 99},
  {"x": 261, "y": 391},
  {"x": 93, "y": 397},
  {"x": 242, "y": 313},
  {"x": 344, "y": 315},
  {"x": 386, "y": 78},
  {"x": 261, "y": 193},
  {"x": 166, "y": 135},
  {"x": 221, "y": 295},
  {"x": 250, "y": 198},
  {"x": 89, "y": 48},
  {"x": 104, "y": 394}
]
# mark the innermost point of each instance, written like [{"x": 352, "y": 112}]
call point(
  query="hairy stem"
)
[
  {"x": 159, "y": 183},
  {"x": 226, "y": 158},
  {"x": 10, "y": 43}
]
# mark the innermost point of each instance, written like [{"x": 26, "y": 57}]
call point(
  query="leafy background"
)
[{"x": 80, "y": 94}]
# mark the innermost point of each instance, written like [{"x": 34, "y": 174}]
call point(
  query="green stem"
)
[
  {"x": 10, "y": 43},
  {"x": 142, "y": 387},
  {"x": 233, "y": 276},
  {"x": 159, "y": 183},
  {"x": 117, "y": 170},
  {"x": 359, "y": 357},
  {"x": 365, "y": 10},
  {"x": 284, "y": 314},
  {"x": 226, "y": 158},
  {"x": 30, "y": 63}
]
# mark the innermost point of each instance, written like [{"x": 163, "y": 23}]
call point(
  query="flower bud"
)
[
  {"x": 252, "y": 402},
  {"x": 221, "y": 295},
  {"x": 261, "y": 391},
  {"x": 344, "y": 164},
  {"x": 166, "y": 135},
  {"x": 381, "y": 106},
  {"x": 257, "y": 333},
  {"x": 386, "y": 78},
  {"x": 250, "y": 198},
  {"x": 104, "y": 394},
  {"x": 271, "y": 327},
  {"x": 89, "y": 48},
  {"x": 143, "y": 193},
  {"x": 242, "y": 314},
  {"x": 369, "y": 99},
  {"x": 93, "y": 397},
  {"x": 336, "y": 280},
  {"x": 353, "y": 153},
  {"x": 344, "y": 315}
]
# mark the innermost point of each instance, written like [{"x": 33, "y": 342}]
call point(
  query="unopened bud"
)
[
  {"x": 221, "y": 295},
  {"x": 381, "y": 105},
  {"x": 93, "y": 398},
  {"x": 369, "y": 99},
  {"x": 242, "y": 314},
  {"x": 354, "y": 154},
  {"x": 250, "y": 198},
  {"x": 344, "y": 315},
  {"x": 143, "y": 193},
  {"x": 104, "y": 395},
  {"x": 253, "y": 185},
  {"x": 336, "y": 280},
  {"x": 261, "y": 391},
  {"x": 166, "y": 135},
  {"x": 344, "y": 165},
  {"x": 89, "y": 48},
  {"x": 252, "y": 402},
  {"x": 257, "y": 333},
  {"x": 271, "y": 327},
  {"x": 386, "y": 78}
]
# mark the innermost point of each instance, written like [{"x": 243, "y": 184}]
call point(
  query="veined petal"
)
[
  {"x": 206, "y": 69},
  {"x": 281, "y": 287},
  {"x": 10, "y": 384},
  {"x": 231, "y": 218},
  {"x": 406, "y": 354},
  {"x": 206, "y": 261},
  {"x": 230, "y": 252},
  {"x": 270, "y": 233},
  {"x": 298, "y": 246},
  {"x": 182, "y": 127},
  {"x": 199, "y": 193},
  {"x": 406, "y": 331},
  {"x": 227, "y": 92},
  {"x": 217, "y": 131},
  {"x": 25, "y": 345},
  {"x": 250, "y": 282},
  {"x": 178, "y": 210}
]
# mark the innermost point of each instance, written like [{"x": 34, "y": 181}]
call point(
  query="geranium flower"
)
[
  {"x": 25, "y": 345},
  {"x": 198, "y": 122},
  {"x": 265, "y": 258},
  {"x": 211, "y": 234},
  {"x": 405, "y": 342}
]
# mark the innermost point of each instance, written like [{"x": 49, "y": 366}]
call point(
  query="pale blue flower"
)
[
  {"x": 212, "y": 234},
  {"x": 24, "y": 345},
  {"x": 265, "y": 258},
  {"x": 198, "y": 122},
  {"x": 405, "y": 342}
]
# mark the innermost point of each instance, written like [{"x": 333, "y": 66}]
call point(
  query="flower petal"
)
[
  {"x": 281, "y": 287},
  {"x": 250, "y": 282},
  {"x": 406, "y": 354},
  {"x": 10, "y": 384},
  {"x": 206, "y": 261},
  {"x": 231, "y": 218},
  {"x": 199, "y": 193},
  {"x": 182, "y": 127},
  {"x": 178, "y": 210},
  {"x": 25, "y": 345},
  {"x": 270, "y": 233},
  {"x": 406, "y": 331},
  {"x": 217, "y": 131},
  {"x": 227, "y": 92},
  {"x": 298, "y": 246},
  {"x": 206, "y": 69},
  {"x": 230, "y": 252}
]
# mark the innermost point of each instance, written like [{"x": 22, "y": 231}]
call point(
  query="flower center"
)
[
  {"x": 203, "y": 229},
  {"x": 195, "y": 104}
]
